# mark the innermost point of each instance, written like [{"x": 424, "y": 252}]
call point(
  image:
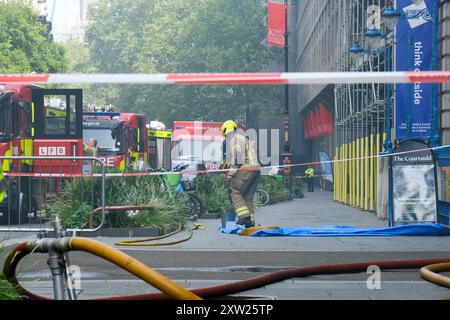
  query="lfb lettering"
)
[
  {"x": 374, "y": 17},
  {"x": 374, "y": 280}
]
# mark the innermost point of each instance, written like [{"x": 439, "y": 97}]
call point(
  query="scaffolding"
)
[
  {"x": 360, "y": 121},
  {"x": 327, "y": 30}
]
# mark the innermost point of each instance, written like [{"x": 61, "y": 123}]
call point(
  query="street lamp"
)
[
  {"x": 391, "y": 16},
  {"x": 372, "y": 36},
  {"x": 355, "y": 52}
]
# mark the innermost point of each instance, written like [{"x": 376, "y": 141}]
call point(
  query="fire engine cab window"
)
[
  {"x": 73, "y": 108},
  {"x": 4, "y": 118},
  {"x": 55, "y": 108},
  {"x": 104, "y": 137}
]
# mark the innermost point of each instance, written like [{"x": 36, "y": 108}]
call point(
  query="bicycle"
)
[
  {"x": 262, "y": 197},
  {"x": 183, "y": 188}
]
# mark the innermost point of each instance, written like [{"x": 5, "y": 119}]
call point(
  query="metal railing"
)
[{"x": 39, "y": 187}]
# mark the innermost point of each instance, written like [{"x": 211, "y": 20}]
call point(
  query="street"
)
[
  {"x": 165, "y": 119},
  {"x": 211, "y": 258}
]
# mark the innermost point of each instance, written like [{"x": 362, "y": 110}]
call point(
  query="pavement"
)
[{"x": 211, "y": 258}]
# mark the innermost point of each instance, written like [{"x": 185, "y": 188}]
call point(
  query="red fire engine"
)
[
  {"x": 197, "y": 142},
  {"x": 121, "y": 138},
  {"x": 37, "y": 122}
]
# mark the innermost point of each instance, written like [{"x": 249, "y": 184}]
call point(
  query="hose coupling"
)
[{"x": 47, "y": 245}]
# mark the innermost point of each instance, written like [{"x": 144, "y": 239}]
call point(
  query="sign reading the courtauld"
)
[{"x": 414, "y": 184}]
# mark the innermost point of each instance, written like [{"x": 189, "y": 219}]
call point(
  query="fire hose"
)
[
  {"x": 171, "y": 290},
  {"x": 145, "y": 242},
  {"x": 122, "y": 260}
]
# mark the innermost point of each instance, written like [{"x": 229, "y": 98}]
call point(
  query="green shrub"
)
[
  {"x": 213, "y": 191},
  {"x": 7, "y": 291},
  {"x": 80, "y": 196},
  {"x": 274, "y": 187},
  {"x": 298, "y": 188}
]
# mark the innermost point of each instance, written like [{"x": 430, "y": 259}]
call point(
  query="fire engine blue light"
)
[{"x": 102, "y": 114}]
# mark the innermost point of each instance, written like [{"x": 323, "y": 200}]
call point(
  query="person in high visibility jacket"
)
[
  {"x": 243, "y": 172},
  {"x": 310, "y": 178},
  {"x": 3, "y": 185}
]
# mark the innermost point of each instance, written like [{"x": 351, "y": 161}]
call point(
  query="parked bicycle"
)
[
  {"x": 262, "y": 197},
  {"x": 184, "y": 188}
]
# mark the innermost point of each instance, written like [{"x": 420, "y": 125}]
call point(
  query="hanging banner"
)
[
  {"x": 414, "y": 184},
  {"x": 276, "y": 24},
  {"x": 414, "y": 52},
  {"x": 327, "y": 168},
  {"x": 318, "y": 123}
]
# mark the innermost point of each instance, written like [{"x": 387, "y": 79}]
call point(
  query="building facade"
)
[{"x": 324, "y": 32}]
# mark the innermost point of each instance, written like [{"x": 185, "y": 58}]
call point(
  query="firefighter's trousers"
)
[{"x": 243, "y": 188}]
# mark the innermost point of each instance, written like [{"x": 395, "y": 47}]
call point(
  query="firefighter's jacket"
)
[{"x": 240, "y": 153}]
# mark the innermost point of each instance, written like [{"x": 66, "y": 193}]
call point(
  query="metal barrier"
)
[{"x": 38, "y": 188}]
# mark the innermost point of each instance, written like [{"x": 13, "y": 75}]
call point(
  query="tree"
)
[
  {"x": 24, "y": 43},
  {"x": 164, "y": 36}
]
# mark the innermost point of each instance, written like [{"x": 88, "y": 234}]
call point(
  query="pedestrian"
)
[
  {"x": 243, "y": 172},
  {"x": 310, "y": 178}
]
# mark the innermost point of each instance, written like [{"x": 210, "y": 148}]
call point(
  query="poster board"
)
[{"x": 414, "y": 184}]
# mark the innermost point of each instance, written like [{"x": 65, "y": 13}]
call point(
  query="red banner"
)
[
  {"x": 318, "y": 123},
  {"x": 276, "y": 24}
]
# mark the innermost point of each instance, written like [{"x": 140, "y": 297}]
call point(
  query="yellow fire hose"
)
[
  {"x": 120, "y": 259},
  {"x": 172, "y": 290},
  {"x": 146, "y": 242},
  {"x": 430, "y": 273},
  {"x": 133, "y": 266}
]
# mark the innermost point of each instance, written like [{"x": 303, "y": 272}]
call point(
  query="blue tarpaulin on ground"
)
[{"x": 417, "y": 230}]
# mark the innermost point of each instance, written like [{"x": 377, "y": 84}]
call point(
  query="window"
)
[
  {"x": 4, "y": 119},
  {"x": 58, "y": 113},
  {"x": 55, "y": 114},
  {"x": 105, "y": 140}
]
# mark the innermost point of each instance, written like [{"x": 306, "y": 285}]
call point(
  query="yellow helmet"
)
[{"x": 228, "y": 127}]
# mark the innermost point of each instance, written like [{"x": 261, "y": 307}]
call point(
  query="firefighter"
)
[
  {"x": 90, "y": 149},
  {"x": 244, "y": 172},
  {"x": 310, "y": 178}
]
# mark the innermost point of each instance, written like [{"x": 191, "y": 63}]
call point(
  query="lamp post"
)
[
  {"x": 286, "y": 156},
  {"x": 391, "y": 16}
]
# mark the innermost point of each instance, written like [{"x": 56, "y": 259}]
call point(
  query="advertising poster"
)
[
  {"x": 414, "y": 52},
  {"x": 414, "y": 184},
  {"x": 327, "y": 169}
]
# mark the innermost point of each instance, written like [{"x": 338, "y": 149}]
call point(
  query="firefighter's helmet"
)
[{"x": 228, "y": 127}]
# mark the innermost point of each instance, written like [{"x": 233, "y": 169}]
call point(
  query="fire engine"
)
[
  {"x": 121, "y": 138},
  {"x": 36, "y": 122},
  {"x": 159, "y": 146},
  {"x": 197, "y": 142}
]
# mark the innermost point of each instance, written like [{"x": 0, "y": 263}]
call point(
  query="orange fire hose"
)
[
  {"x": 430, "y": 273},
  {"x": 171, "y": 290}
]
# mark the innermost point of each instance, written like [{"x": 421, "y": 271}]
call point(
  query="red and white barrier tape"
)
[
  {"x": 233, "y": 78},
  {"x": 192, "y": 172}
]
